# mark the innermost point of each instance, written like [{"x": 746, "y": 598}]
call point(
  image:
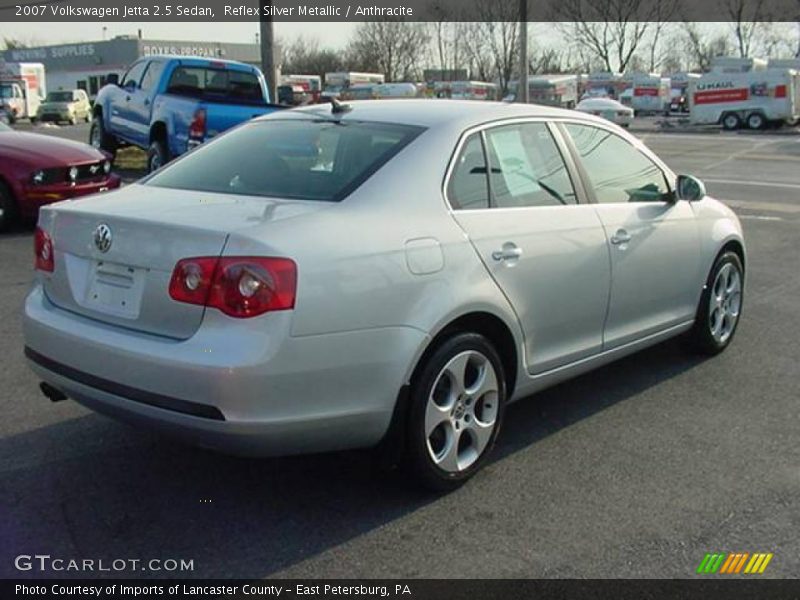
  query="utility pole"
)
[
  {"x": 523, "y": 94},
  {"x": 267, "y": 37}
]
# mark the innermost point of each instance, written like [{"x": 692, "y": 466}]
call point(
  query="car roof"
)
[{"x": 434, "y": 112}]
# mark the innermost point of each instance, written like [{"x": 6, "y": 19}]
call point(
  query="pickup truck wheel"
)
[
  {"x": 8, "y": 208},
  {"x": 157, "y": 156},
  {"x": 98, "y": 138}
]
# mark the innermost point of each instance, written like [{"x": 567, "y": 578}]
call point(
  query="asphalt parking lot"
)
[{"x": 634, "y": 470}]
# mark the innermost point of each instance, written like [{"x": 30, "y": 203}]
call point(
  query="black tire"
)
[
  {"x": 731, "y": 121},
  {"x": 418, "y": 453},
  {"x": 8, "y": 207},
  {"x": 157, "y": 155},
  {"x": 700, "y": 337},
  {"x": 756, "y": 121},
  {"x": 73, "y": 120},
  {"x": 99, "y": 138}
]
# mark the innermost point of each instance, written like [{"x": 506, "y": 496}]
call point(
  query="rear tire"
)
[
  {"x": 101, "y": 140},
  {"x": 731, "y": 121},
  {"x": 157, "y": 155},
  {"x": 8, "y": 207},
  {"x": 756, "y": 121},
  {"x": 456, "y": 408},
  {"x": 720, "y": 307}
]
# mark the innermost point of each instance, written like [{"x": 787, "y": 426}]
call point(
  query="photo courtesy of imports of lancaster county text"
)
[{"x": 425, "y": 299}]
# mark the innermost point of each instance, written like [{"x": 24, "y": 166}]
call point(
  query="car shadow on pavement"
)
[{"x": 88, "y": 487}]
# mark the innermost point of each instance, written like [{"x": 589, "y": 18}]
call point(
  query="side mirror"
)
[
  {"x": 112, "y": 79},
  {"x": 690, "y": 188}
]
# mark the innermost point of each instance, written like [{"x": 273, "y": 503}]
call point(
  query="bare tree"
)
[
  {"x": 701, "y": 48},
  {"x": 665, "y": 11},
  {"x": 748, "y": 19},
  {"x": 391, "y": 47},
  {"x": 305, "y": 56},
  {"x": 612, "y": 30},
  {"x": 491, "y": 42}
]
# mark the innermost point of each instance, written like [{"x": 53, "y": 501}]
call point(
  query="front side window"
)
[
  {"x": 133, "y": 75},
  {"x": 151, "y": 76},
  {"x": 468, "y": 188},
  {"x": 527, "y": 168},
  {"x": 301, "y": 159},
  {"x": 618, "y": 171}
]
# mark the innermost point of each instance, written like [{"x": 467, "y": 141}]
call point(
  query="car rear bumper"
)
[{"x": 240, "y": 386}]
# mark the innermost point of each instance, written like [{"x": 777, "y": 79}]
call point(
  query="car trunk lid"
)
[{"x": 115, "y": 253}]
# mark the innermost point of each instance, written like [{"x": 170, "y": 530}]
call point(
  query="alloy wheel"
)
[
  {"x": 461, "y": 413},
  {"x": 725, "y": 303}
]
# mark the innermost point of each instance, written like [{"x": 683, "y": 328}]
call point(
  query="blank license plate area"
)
[{"x": 115, "y": 289}]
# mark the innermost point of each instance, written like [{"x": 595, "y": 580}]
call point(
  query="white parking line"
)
[{"x": 772, "y": 184}]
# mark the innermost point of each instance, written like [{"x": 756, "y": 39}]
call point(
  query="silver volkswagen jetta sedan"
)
[{"x": 390, "y": 272}]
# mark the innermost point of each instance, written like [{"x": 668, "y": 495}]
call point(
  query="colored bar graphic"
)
[{"x": 733, "y": 563}]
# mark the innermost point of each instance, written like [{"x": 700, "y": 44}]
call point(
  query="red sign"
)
[
  {"x": 715, "y": 96},
  {"x": 780, "y": 91},
  {"x": 643, "y": 91}
]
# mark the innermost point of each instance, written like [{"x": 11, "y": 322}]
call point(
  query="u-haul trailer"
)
[
  {"x": 650, "y": 93},
  {"x": 754, "y": 98}
]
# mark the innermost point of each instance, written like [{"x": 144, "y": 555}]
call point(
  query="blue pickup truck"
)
[{"x": 166, "y": 105}]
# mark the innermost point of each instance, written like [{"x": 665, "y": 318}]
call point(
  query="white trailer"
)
[
  {"x": 753, "y": 98},
  {"x": 337, "y": 82},
  {"x": 650, "y": 93},
  {"x": 552, "y": 90},
  {"x": 735, "y": 64},
  {"x": 22, "y": 89}
]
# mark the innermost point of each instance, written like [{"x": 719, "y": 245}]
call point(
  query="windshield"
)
[
  {"x": 6, "y": 91},
  {"x": 297, "y": 159},
  {"x": 59, "y": 97}
]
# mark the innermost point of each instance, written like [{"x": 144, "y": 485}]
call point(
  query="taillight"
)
[
  {"x": 240, "y": 287},
  {"x": 197, "y": 128},
  {"x": 43, "y": 249}
]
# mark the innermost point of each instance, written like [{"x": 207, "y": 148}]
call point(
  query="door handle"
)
[
  {"x": 509, "y": 251},
  {"x": 621, "y": 237}
]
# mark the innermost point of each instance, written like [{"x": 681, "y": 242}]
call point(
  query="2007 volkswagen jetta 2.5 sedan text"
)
[{"x": 389, "y": 273}]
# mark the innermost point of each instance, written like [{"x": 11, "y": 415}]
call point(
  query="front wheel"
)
[
  {"x": 720, "y": 306},
  {"x": 457, "y": 403},
  {"x": 98, "y": 138},
  {"x": 8, "y": 208}
]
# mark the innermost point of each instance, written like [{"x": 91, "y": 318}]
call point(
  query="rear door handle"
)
[
  {"x": 621, "y": 237},
  {"x": 510, "y": 251}
]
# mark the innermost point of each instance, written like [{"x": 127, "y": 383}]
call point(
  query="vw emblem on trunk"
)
[{"x": 103, "y": 237}]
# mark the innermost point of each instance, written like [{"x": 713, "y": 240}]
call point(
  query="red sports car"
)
[{"x": 39, "y": 169}]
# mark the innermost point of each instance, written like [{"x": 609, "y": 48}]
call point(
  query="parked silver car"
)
[{"x": 391, "y": 272}]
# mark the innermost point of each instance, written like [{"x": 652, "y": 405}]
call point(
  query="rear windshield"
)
[
  {"x": 223, "y": 85},
  {"x": 299, "y": 159},
  {"x": 59, "y": 97}
]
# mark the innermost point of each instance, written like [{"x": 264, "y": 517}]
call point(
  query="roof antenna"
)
[{"x": 339, "y": 108}]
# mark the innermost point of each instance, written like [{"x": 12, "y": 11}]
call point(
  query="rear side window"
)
[
  {"x": 618, "y": 171},
  {"x": 526, "y": 167},
  {"x": 468, "y": 188},
  {"x": 216, "y": 84},
  {"x": 293, "y": 158}
]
